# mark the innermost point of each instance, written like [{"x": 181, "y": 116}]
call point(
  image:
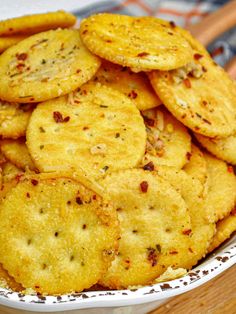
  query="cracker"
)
[
  {"x": 134, "y": 85},
  {"x": 7, "y": 281},
  {"x": 17, "y": 152},
  {"x": 223, "y": 148},
  {"x": 196, "y": 96},
  {"x": 65, "y": 238},
  {"x": 196, "y": 166},
  {"x": 36, "y": 23},
  {"x": 6, "y": 42},
  {"x": 202, "y": 230},
  {"x": 221, "y": 186},
  {"x": 10, "y": 171},
  {"x": 143, "y": 43},
  {"x": 14, "y": 119},
  {"x": 168, "y": 141},
  {"x": 153, "y": 219},
  {"x": 224, "y": 229},
  {"x": 97, "y": 129},
  {"x": 44, "y": 66}
]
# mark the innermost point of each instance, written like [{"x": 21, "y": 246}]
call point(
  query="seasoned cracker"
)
[
  {"x": 153, "y": 219},
  {"x": 168, "y": 141},
  {"x": 6, "y": 42},
  {"x": 44, "y": 66},
  {"x": 143, "y": 43},
  {"x": 200, "y": 95},
  {"x": 224, "y": 229},
  {"x": 97, "y": 129},
  {"x": 17, "y": 152},
  {"x": 223, "y": 148},
  {"x": 221, "y": 187},
  {"x": 14, "y": 119},
  {"x": 65, "y": 238},
  {"x": 196, "y": 166},
  {"x": 202, "y": 230},
  {"x": 36, "y": 23},
  {"x": 134, "y": 85},
  {"x": 8, "y": 282}
]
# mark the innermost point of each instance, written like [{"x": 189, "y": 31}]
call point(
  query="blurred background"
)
[{"x": 182, "y": 12}]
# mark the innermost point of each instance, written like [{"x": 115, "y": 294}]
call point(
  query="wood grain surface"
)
[{"x": 218, "y": 296}]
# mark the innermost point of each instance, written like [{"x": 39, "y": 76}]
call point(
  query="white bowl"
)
[{"x": 138, "y": 301}]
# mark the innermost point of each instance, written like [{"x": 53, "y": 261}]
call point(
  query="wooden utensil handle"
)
[{"x": 215, "y": 24}]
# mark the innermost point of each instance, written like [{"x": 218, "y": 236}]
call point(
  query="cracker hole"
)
[
  {"x": 44, "y": 266},
  {"x": 56, "y": 234},
  {"x": 41, "y": 211},
  {"x": 168, "y": 230},
  {"x": 135, "y": 231},
  {"x": 84, "y": 226},
  {"x": 29, "y": 241},
  {"x": 72, "y": 258}
]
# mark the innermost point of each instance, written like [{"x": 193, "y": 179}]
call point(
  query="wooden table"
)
[{"x": 215, "y": 297}]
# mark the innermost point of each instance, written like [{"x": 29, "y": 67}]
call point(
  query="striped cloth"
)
[{"x": 182, "y": 12}]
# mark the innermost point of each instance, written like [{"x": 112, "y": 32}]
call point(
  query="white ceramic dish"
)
[{"x": 137, "y": 301}]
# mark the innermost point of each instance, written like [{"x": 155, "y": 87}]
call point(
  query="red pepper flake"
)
[
  {"x": 34, "y": 182},
  {"x": 152, "y": 256},
  {"x": 217, "y": 51},
  {"x": 172, "y": 24},
  {"x": 22, "y": 56},
  {"x": 132, "y": 94},
  {"x": 28, "y": 195},
  {"x": 57, "y": 116},
  {"x": 188, "y": 155},
  {"x": 230, "y": 169},
  {"x": 190, "y": 250},
  {"x": 187, "y": 83},
  {"x": 183, "y": 116},
  {"x": 187, "y": 232},
  {"x": 233, "y": 212},
  {"x": 148, "y": 121},
  {"x": 173, "y": 252},
  {"x": 108, "y": 41},
  {"x": 79, "y": 201},
  {"x": 78, "y": 71},
  {"x": 94, "y": 197},
  {"x": 144, "y": 186},
  {"x": 149, "y": 166},
  {"x": 197, "y": 56},
  {"x": 85, "y": 128},
  {"x": 204, "y": 102},
  {"x": 85, "y": 32},
  {"x": 142, "y": 54}
]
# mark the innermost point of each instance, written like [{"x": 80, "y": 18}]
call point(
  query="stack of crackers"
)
[{"x": 117, "y": 146}]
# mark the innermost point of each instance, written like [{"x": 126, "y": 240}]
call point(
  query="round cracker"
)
[
  {"x": 168, "y": 141},
  {"x": 223, "y": 148},
  {"x": 36, "y": 23},
  {"x": 196, "y": 166},
  {"x": 134, "y": 85},
  {"x": 153, "y": 219},
  {"x": 202, "y": 230},
  {"x": 14, "y": 119},
  {"x": 97, "y": 129},
  {"x": 221, "y": 188},
  {"x": 224, "y": 229},
  {"x": 44, "y": 66},
  {"x": 58, "y": 215},
  {"x": 143, "y": 43},
  {"x": 6, "y": 42},
  {"x": 205, "y": 103},
  {"x": 17, "y": 152},
  {"x": 7, "y": 281}
]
